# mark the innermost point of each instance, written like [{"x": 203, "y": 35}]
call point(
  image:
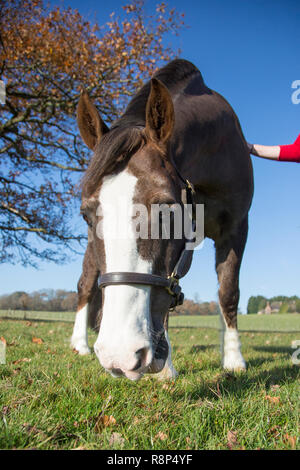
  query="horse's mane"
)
[
  {"x": 126, "y": 134},
  {"x": 115, "y": 147}
]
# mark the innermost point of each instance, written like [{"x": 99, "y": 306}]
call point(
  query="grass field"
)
[
  {"x": 280, "y": 322},
  {"x": 52, "y": 398}
]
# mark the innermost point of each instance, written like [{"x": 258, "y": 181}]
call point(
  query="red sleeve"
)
[{"x": 290, "y": 153}]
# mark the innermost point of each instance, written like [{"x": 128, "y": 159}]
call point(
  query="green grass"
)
[
  {"x": 51, "y": 398},
  {"x": 278, "y": 322}
]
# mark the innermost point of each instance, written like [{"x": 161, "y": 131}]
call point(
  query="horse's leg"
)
[
  {"x": 87, "y": 290},
  {"x": 229, "y": 255},
  {"x": 168, "y": 372}
]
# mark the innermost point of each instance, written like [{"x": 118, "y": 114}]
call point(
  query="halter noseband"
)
[{"x": 171, "y": 282}]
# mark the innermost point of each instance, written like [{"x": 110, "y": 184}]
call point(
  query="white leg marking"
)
[
  {"x": 232, "y": 356},
  {"x": 125, "y": 321},
  {"x": 168, "y": 371},
  {"x": 79, "y": 340}
]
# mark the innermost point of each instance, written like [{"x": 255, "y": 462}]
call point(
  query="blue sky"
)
[{"x": 249, "y": 52}]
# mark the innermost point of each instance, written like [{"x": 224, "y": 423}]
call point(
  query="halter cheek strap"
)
[{"x": 171, "y": 282}]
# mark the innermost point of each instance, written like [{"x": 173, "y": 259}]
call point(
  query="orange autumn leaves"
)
[
  {"x": 61, "y": 47},
  {"x": 48, "y": 56},
  {"x": 37, "y": 340}
]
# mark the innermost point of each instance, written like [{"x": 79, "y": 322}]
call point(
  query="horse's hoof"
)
[
  {"x": 235, "y": 365},
  {"x": 80, "y": 346}
]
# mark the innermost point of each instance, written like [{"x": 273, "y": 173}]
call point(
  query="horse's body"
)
[{"x": 207, "y": 146}]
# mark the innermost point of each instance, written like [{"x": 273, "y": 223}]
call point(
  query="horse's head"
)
[{"x": 131, "y": 171}]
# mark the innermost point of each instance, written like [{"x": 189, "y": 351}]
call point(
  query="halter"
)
[{"x": 169, "y": 283}]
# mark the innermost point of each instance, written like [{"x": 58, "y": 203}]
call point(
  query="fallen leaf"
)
[
  {"x": 5, "y": 410},
  {"x": 290, "y": 440},
  {"x": 161, "y": 435},
  {"x": 104, "y": 421},
  {"x": 116, "y": 439},
  {"x": 30, "y": 429},
  {"x": 37, "y": 340},
  {"x": 136, "y": 420},
  {"x": 3, "y": 340},
  {"x": 274, "y": 431},
  {"x": 271, "y": 399},
  {"x": 232, "y": 439},
  {"x": 24, "y": 359},
  {"x": 169, "y": 386}
]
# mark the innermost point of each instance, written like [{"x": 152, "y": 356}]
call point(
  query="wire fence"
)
[
  {"x": 288, "y": 323},
  {"x": 68, "y": 317}
]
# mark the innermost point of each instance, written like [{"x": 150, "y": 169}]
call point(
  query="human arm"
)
[{"x": 287, "y": 153}]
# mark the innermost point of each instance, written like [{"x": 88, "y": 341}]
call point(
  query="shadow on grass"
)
[
  {"x": 260, "y": 373},
  {"x": 273, "y": 349},
  {"x": 238, "y": 384},
  {"x": 202, "y": 347}
]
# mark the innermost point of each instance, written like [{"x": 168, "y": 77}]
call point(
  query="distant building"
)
[{"x": 268, "y": 309}]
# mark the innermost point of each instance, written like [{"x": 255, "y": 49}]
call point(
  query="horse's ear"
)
[
  {"x": 89, "y": 121},
  {"x": 159, "y": 113}
]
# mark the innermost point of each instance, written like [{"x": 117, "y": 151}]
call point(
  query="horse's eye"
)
[{"x": 87, "y": 219}]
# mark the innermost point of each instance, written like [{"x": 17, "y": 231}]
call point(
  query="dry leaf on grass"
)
[
  {"x": 274, "y": 431},
  {"x": 273, "y": 400},
  {"x": 232, "y": 439},
  {"x": 116, "y": 439},
  {"x": 24, "y": 359},
  {"x": 169, "y": 385},
  {"x": 161, "y": 435},
  {"x": 5, "y": 410},
  {"x": 104, "y": 421},
  {"x": 37, "y": 340},
  {"x": 290, "y": 440}
]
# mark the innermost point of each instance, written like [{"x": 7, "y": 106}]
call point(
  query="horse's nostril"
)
[
  {"x": 138, "y": 365},
  {"x": 141, "y": 358}
]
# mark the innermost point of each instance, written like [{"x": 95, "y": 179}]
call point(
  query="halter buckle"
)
[
  {"x": 190, "y": 186},
  {"x": 174, "y": 290}
]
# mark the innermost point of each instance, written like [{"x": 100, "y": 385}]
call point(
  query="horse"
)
[{"x": 174, "y": 132}]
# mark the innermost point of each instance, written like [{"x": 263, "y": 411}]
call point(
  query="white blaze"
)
[{"x": 125, "y": 321}]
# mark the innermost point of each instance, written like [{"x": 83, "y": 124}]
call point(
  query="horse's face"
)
[{"x": 120, "y": 213}]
